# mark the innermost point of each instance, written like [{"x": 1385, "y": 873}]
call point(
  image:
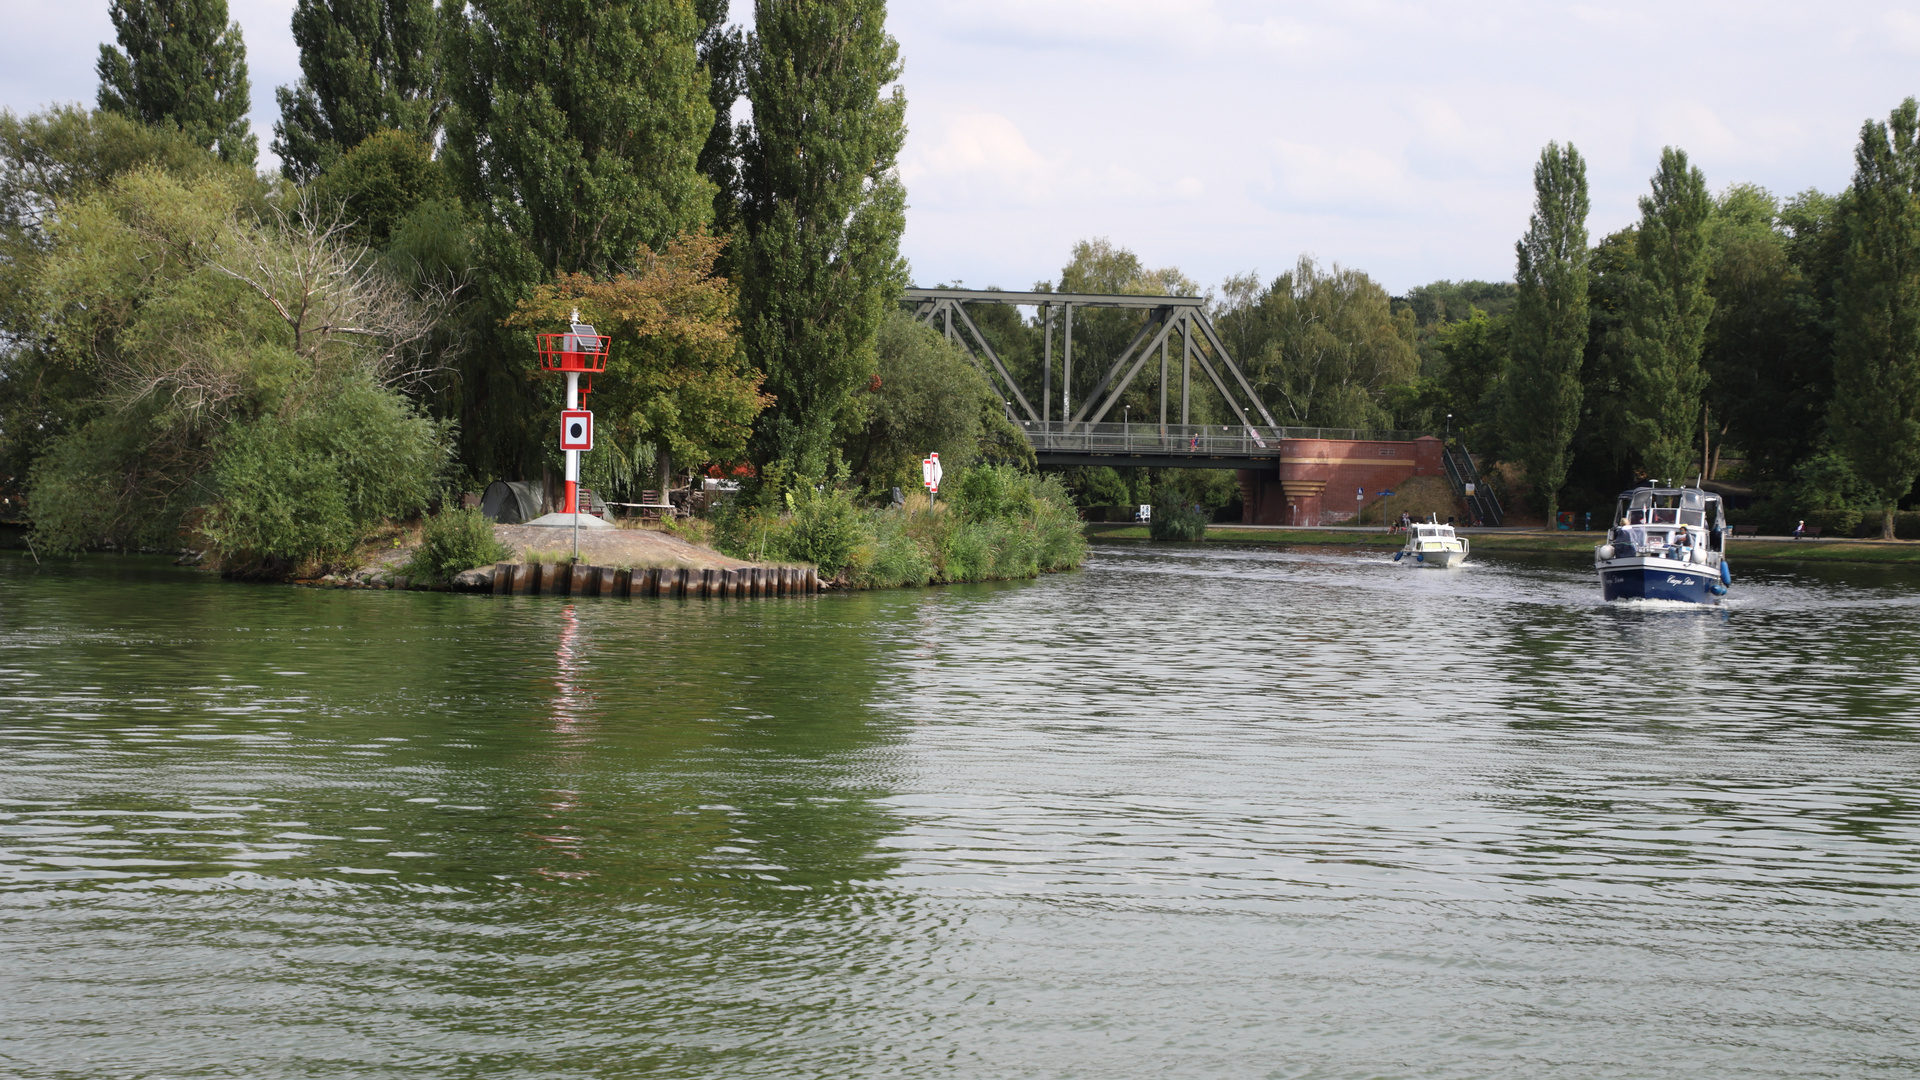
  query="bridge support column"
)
[
  {"x": 1303, "y": 500},
  {"x": 1274, "y": 498}
]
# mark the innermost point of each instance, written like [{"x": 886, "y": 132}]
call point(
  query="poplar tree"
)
[
  {"x": 180, "y": 64},
  {"x": 1549, "y": 335},
  {"x": 823, "y": 211},
  {"x": 579, "y": 126},
  {"x": 1668, "y": 308},
  {"x": 1876, "y": 355},
  {"x": 366, "y": 66},
  {"x": 723, "y": 52}
]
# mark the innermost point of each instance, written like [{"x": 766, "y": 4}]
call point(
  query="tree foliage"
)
[
  {"x": 1668, "y": 311},
  {"x": 823, "y": 210},
  {"x": 366, "y": 66},
  {"x": 675, "y": 378},
  {"x": 233, "y": 362},
  {"x": 1769, "y": 376},
  {"x": 379, "y": 183},
  {"x": 59, "y": 156},
  {"x": 1470, "y": 370},
  {"x": 1549, "y": 332},
  {"x": 928, "y": 397},
  {"x": 180, "y": 64},
  {"x": 579, "y": 127},
  {"x": 723, "y": 51},
  {"x": 1323, "y": 346},
  {"x": 1876, "y": 404}
]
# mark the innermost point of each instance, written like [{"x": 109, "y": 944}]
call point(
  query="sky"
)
[{"x": 1227, "y": 136}]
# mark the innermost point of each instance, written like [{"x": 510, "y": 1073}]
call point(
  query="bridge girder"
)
[{"x": 945, "y": 310}]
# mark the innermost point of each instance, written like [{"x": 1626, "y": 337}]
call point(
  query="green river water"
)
[{"x": 1186, "y": 813}]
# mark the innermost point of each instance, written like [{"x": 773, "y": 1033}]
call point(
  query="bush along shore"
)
[{"x": 991, "y": 523}]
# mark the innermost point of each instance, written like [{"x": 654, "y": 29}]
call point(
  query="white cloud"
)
[
  {"x": 48, "y": 52},
  {"x": 1394, "y": 136},
  {"x": 977, "y": 156}
]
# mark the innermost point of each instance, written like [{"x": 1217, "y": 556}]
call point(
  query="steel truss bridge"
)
[{"x": 1083, "y": 435}]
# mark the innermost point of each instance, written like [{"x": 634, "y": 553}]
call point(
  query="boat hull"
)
[
  {"x": 1442, "y": 558},
  {"x": 1658, "y": 579}
]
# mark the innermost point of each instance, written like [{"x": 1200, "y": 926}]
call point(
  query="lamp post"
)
[
  {"x": 1449, "y": 427},
  {"x": 1126, "y": 425}
]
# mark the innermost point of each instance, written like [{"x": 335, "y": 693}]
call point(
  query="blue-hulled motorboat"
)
[{"x": 1665, "y": 544}]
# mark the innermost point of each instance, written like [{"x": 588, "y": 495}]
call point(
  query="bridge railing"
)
[{"x": 1198, "y": 440}]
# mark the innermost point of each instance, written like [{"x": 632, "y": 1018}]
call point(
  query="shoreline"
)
[{"x": 1538, "y": 541}]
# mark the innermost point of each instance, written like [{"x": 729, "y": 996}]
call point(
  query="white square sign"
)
[{"x": 576, "y": 429}]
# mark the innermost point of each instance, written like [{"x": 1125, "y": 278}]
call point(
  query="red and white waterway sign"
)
[
  {"x": 576, "y": 429},
  {"x": 930, "y": 472}
]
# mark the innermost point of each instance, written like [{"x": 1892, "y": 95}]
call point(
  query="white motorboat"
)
[
  {"x": 1669, "y": 544},
  {"x": 1430, "y": 543}
]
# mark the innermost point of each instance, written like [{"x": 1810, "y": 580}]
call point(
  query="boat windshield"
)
[{"x": 1647, "y": 506}]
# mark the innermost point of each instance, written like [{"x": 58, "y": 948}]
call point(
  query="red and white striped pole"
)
[{"x": 573, "y": 456}]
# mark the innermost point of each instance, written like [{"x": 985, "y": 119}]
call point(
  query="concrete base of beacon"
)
[{"x": 567, "y": 521}]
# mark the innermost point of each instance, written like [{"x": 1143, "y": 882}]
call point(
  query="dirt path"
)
[{"x": 620, "y": 548}]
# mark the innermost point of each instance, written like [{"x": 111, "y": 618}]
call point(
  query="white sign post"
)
[{"x": 930, "y": 473}]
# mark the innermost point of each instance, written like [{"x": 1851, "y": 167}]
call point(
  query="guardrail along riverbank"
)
[{"x": 567, "y": 579}]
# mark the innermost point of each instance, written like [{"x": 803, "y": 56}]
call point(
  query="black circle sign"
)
[{"x": 576, "y": 431}]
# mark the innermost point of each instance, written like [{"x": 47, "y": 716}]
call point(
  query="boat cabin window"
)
[
  {"x": 1665, "y": 508},
  {"x": 1693, "y": 517}
]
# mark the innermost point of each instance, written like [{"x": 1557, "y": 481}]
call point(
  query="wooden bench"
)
[
  {"x": 1812, "y": 532},
  {"x": 1746, "y": 530}
]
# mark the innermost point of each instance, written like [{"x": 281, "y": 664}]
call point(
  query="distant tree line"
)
[{"x": 1781, "y": 334}]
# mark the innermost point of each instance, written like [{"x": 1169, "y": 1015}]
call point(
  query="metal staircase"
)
[{"x": 1483, "y": 504}]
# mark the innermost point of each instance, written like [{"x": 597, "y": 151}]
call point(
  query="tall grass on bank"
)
[{"x": 993, "y": 523}]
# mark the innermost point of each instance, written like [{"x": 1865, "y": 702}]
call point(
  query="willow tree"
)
[
  {"x": 1549, "y": 333},
  {"x": 366, "y": 66},
  {"x": 1876, "y": 350},
  {"x": 1668, "y": 309},
  {"x": 180, "y": 64},
  {"x": 823, "y": 211}
]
